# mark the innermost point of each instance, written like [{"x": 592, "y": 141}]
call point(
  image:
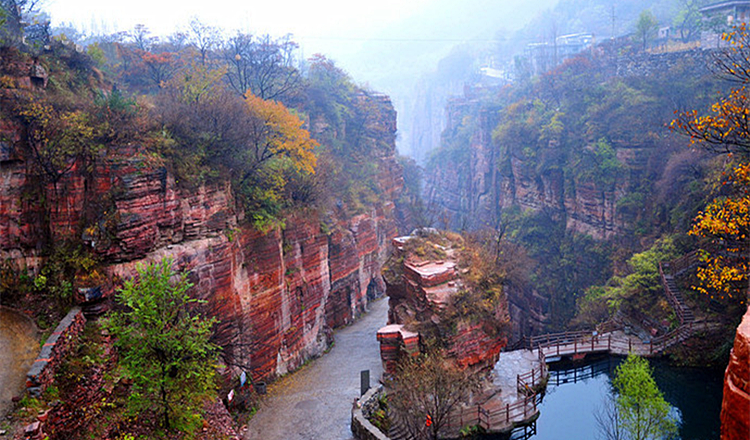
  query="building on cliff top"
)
[{"x": 719, "y": 18}]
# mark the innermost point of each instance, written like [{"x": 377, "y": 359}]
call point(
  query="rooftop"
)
[{"x": 725, "y": 5}]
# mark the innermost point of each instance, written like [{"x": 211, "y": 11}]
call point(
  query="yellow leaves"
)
[
  {"x": 727, "y": 219},
  {"x": 721, "y": 276},
  {"x": 38, "y": 113},
  {"x": 283, "y": 133},
  {"x": 197, "y": 82}
]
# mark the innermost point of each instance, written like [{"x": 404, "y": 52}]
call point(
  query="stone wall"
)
[
  {"x": 735, "y": 407},
  {"x": 54, "y": 350},
  {"x": 361, "y": 412}
]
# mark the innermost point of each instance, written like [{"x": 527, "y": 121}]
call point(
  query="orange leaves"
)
[
  {"x": 282, "y": 134},
  {"x": 728, "y": 220},
  {"x": 726, "y": 126}
]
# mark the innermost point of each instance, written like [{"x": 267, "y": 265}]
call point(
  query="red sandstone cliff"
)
[
  {"x": 277, "y": 295},
  {"x": 735, "y": 408}
]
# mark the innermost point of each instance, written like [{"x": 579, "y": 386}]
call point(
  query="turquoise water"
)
[{"x": 575, "y": 393}]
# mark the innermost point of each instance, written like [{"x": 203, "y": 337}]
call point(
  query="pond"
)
[
  {"x": 19, "y": 345},
  {"x": 576, "y": 391}
]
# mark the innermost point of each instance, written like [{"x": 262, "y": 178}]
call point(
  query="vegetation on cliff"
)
[
  {"x": 580, "y": 171},
  {"x": 278, "y": 139},
  {"x": 724, "y": 224},
  {"x": 475, "y": 295}
]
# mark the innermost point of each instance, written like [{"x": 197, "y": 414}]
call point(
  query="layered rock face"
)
[
  {"x": 422, "y": 295},
  {"x": 735, "y": 407},
  {"x": 486, "y": 176},
  {"x": 474, "y": 197},
  {"x": 277, "y": 295}
]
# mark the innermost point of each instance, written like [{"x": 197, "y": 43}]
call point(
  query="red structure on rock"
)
[{"x": 735, "y": 407}]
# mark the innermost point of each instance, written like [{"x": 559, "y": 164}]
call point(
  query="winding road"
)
[{"x": 315, "y": 402}]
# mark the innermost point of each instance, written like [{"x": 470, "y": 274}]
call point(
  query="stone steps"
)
[
  {"x": 686, "y": 312},
  {"x": 398, "y": 430}
]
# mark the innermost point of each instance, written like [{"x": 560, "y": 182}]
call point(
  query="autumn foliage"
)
[
  {"x": 725, "y": 222},
  {"x": 278, "y": 132}
]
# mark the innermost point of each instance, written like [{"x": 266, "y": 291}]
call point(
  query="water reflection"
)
[
  {"x": 577, "y": 390},
  {"x": 19, "y": 347}
]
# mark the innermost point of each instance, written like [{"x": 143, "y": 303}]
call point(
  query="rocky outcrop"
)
[
  {"x": 735, "y": 407},
  {"x": 422, "y": 291}
]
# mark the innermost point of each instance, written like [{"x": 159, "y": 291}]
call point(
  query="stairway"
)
[
  {"x": 397, "y": 431},
  {"x": 687, "y": 314}
]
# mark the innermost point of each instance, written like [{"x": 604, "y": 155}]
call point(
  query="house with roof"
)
[{"x": 720, "y": 17}]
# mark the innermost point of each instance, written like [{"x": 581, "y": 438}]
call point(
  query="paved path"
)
[
  {"x": 507, "y": 369},
  {"x": 315, "y": 403},
  {"x": 19, "y": 346}
]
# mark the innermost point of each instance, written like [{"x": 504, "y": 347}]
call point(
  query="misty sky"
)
[
  {"x": 322, "y": 25},
  {"x": 337, "y": 28},
  {"x": 386, "y": 45}
]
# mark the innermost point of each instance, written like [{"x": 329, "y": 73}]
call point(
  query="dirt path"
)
[
  {"x": 316, "y": 402},
  {"x": 19, "y": 346}
]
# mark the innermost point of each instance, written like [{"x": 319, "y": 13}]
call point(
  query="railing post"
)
[
  {"x": 507, "y": 413},
  {"x": 630, "y": 345},
  {"x": 533, "y": 377},
  {"x": 609, "y": 342},
  {"x": 592, "y": 343},
  {"x": 651, "y": 346},
  {"x": 575, "y": 345}
]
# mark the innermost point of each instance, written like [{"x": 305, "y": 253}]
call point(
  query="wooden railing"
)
[
  {"x": 557, "y": 338},
  {"x": 677, "y": 305},
  {"x": 679, "y": 265},
  {"x": 527, "y": 383},
  {"x": 496, "y": 417}
]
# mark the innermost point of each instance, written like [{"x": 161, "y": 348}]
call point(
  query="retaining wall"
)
[
  {"x": 57, "y": 346},
  {"x": 362, "y": 410}
]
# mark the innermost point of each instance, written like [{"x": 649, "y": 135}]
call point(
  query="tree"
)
[
  {"x": 275, "y": 132},
  {"x": 646, "y": 27},
  {"x": 726, "y": 129},
  {"x": 141, "y": 37},
  {"x": 639, "y": 411},
  {"x": 204, "y": 37},
  {"x": 262, "y": 66},
  {"x": 726, "y": 221},
  {"x": 13, "y": 13},
  {"x": 57, "y": 138},
  {"x": 689, "y": 19},
  {"x": 164, "y": 346},
  {"x": 428, "y": 387}
]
